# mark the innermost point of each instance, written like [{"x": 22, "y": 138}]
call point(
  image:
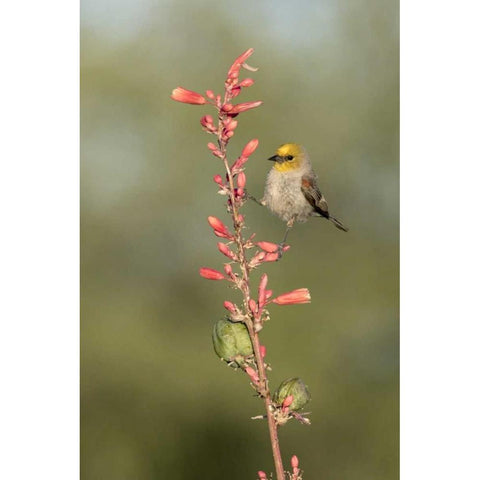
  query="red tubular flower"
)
[
  {"x": 242, "y": 107},
  {"x": 211, "y": 274},
  {"x": 249, "y": 148},
  {"x": 183, "y": 95},
  {"x": 237, "y": 64},
  {"x": 300, "y": 295}
]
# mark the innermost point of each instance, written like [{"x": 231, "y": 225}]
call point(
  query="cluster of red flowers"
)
[{"x": 232, "y": 184}]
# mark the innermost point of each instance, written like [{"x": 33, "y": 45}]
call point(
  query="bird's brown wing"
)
[{"x": 314, "y": 195}]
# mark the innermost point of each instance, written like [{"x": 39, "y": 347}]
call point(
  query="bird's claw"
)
[{"x": 280, "y": 247}]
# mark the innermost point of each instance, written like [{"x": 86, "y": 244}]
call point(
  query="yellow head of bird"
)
[{"x": 288, "y": 157}]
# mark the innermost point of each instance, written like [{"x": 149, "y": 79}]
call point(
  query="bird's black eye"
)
[{"x": 289, "y": 157}]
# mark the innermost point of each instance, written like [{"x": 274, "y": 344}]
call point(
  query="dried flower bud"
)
[
  {"x": 231, "y": 342},
  {"x": 294, "y": 387}
]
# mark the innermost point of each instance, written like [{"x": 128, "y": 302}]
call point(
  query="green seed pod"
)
[
  {"x": 232, "y": 342},
  {"x": 296, "y": 388}
]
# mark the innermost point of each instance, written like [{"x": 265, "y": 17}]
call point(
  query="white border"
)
[{"x": 39, "y": 354}]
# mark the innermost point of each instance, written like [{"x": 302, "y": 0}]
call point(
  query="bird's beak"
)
[{"x": 277, "y": 158}]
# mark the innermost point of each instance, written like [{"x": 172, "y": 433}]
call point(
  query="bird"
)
[{"x": 291, "y": 190}]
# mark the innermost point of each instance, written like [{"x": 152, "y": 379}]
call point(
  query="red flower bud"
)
[
  {"x": 218, "y": 225},
  {"x": 252, "y": 374},
  {"x": 210, "y": 94},
  {"x": 225, "y": 250},
  {"x": 294, "y": 462},
  {"x": 263, "y": 351},
  {"x": 300, "y": 295},
  {"x": 211, "y": 274},
  {"x": 228, "y": 270},
  {"x": 231, "y": 125},
  {"x": 241, "y": 180},
  {"x": 262, "y": 475},
  {"x": 262, "y": 298},
  {"x": 229, "y": 306},
  {"x": 268, "y": 246},
  {"x": 271, "y": 257},
  {"x": 287, "y": 402},
  {"x": 248, "y": 82},
  {"x": 218, "y": 179},
  {"x": 207, "y": 121},
  {"x": 249, "y": 148},
  {"x": 183, "y": 95},
  {"x": 238, "y": 164}
]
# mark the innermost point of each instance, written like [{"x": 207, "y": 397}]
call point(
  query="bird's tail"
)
[{"x": 338, "y": 223}]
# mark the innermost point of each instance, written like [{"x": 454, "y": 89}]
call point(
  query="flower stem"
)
[{"x": 262, "y": 388}]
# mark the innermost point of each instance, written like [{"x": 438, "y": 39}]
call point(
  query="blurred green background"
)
[{"x": 155, "y": 401}]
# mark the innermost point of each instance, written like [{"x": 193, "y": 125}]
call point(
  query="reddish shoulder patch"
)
[{"x": 306, "y": 183}]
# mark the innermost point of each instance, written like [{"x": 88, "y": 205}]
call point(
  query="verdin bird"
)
[{"x": 291, "y": 190}]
